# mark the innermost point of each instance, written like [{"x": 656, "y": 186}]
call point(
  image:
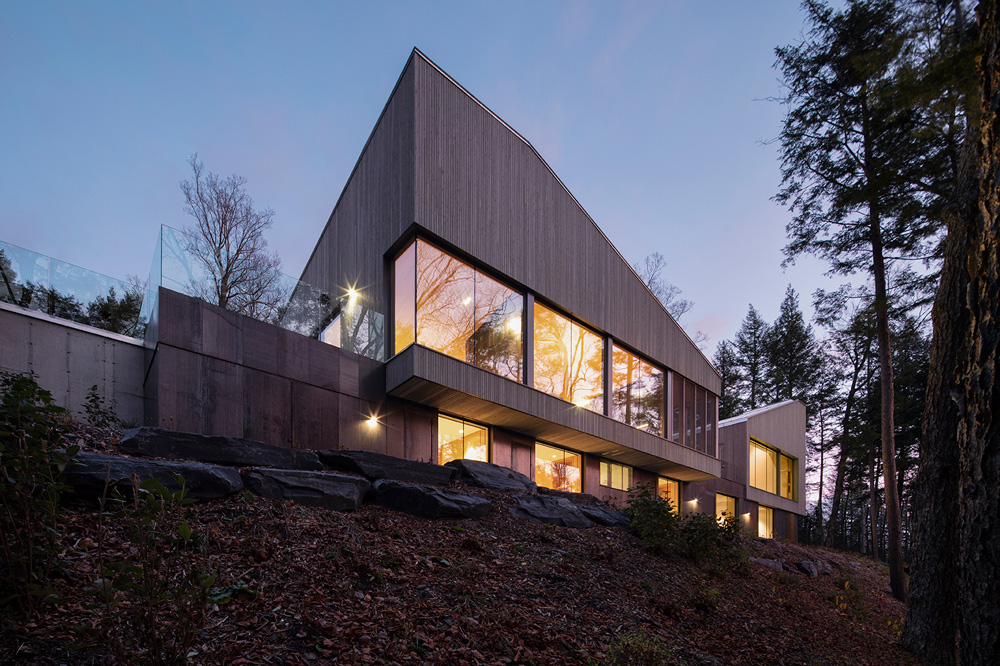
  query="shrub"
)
[
  {"x": 32, "y": 457},
  {"x": 637, "y": 648},
  {"x": 696, "y": 536},
  {"x": 99, "y": 413}
]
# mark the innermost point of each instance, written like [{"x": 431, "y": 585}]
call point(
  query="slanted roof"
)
[{"x": 739, "y": 418}]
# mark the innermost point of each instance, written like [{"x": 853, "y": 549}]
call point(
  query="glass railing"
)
[
  {"x": 37, "y": 282},
  {"x": 181, "y": 263}
]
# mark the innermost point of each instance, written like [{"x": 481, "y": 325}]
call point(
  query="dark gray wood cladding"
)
[{"x": 439, "y": 158}]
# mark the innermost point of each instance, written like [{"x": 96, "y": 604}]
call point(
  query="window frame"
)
[
  {"x": 464, "y": 422},
  {"x": 566, "y": 452},
  {"x": 607, "y": 478}
]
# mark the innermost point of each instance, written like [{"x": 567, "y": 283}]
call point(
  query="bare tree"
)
[
  {"x": 228, "y": 241},
  {"x": 669, "y": 294}
]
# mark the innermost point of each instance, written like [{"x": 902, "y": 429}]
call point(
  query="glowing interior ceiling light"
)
[
  {"x": 468, "y": 299},
  {"x": 514, "y": 324}
]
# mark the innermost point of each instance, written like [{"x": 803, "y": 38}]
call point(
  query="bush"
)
[
  {"x": 637, "y": 648},
  {"x": 32, "y": 457},
  {"x": 696, "y": 536}
]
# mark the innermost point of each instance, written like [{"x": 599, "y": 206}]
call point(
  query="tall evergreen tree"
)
[
  {"x": 793, "y": 363},
  {"x": 751, "y": 360},
  {"x": 728, "y": 366}
]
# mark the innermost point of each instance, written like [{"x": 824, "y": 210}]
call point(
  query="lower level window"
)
[
  {"x": 765, "y": 522},
  {"x": 616, "y": 476},
  {"x": 558, "y": 469},
  {"x": 725, "y": 507},
  {"x": 670, "y": 490},
  {"x": 461, "y": 439}
]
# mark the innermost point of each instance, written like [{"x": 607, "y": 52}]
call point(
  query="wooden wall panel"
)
[
  {"x": 484, "y": 189},
  {"x": 267, "y": 408},
  {"x": 315, "y": 417}
]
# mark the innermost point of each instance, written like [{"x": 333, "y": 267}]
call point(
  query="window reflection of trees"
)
[
  {"x": 568, "y": 360},
  {"x": 466, "y": 314},
  {"x": 637, "y": 397},
  {"x": 558, "y": 469}
]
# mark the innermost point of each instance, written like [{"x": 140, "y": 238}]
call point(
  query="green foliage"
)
[
  {"x": 118, "y": 314},
  {"x": 697, "y": 536},
  {"x": 159, "y": 589},
  {"x": 637, "y": 648},
  {"x": 32, "y": 458},
  {"x": 99, "y": 413}
]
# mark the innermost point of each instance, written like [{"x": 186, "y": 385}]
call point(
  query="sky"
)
[{"x": 655, "y": 115}]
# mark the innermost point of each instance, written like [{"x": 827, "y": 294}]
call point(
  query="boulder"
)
[
  {"x": 215, "y": 449},
  {"x": 771, "y": 564},
  {"x": 809, "y": 567},
  {"x": 87, "y": 472},
  {"x": 374, "y": 466},
  {"x": 580, "y": 499},
  {"x": 326, "y": 489},
  {"x": 606, "y": 517},
  {"x": 549, "y": 510},
  {"x": 493, "y": 477},
  {"x": 427, "y": 502}
]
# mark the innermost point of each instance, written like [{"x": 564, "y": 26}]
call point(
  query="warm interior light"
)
[
  {"x": 580, "y": 402},
  {"x": 468, "y": 299},
  {"x": 642, "y": 426},
  {"x": 514, "y": 324}
]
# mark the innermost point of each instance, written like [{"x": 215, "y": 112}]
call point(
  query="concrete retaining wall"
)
[{"x": 69, "y": 358}]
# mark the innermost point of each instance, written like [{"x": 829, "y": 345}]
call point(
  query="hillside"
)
[{"x": 301, "y": 585}]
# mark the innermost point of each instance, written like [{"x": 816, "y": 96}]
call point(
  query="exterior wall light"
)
[
  {"x": 372, "y": 421},
  {"x": 352, "y": 295}
]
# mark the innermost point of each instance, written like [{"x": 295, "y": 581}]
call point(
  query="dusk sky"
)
[{"x": 652, "y": 114}]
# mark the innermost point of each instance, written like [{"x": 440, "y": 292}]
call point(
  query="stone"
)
[
  {"x": 325, "y": 489},
  {"x": 580, "y": 499},
  {"x": 549, "y": 510},
  {"x": 374, "y": 466},
  {"x": 428, "y": 502},
  {"x": 87, "y": 472},
  {"x": 215, "y": 449},
  {"x": 606, "y": 517},
  {"x": 493, "y": 477},
  {"x": 771, "y": 564},
  {"x": 809, "y": 567}
]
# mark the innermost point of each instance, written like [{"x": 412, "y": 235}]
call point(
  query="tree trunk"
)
[
  {"x": 956, "y": 540},
  {"x": 838, "y": 484},
  {"x": 897, "y": 581},
  {"x": 873, "y": 502}
]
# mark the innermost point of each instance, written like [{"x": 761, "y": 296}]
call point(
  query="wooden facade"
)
[{"x": 782, "y": 427}]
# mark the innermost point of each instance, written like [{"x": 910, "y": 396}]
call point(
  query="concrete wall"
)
[{"x": 69, "y": 358}]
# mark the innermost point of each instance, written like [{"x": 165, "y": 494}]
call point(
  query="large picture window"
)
[
  {"x": 763, "y": 467},
  {"x": 637, "y": 391},
  {"x": 460, "y": 439},
  {"x": 558, "y": 469},
  {"x": 447, "y": 305},
  {"x": 569, "y": 359}
]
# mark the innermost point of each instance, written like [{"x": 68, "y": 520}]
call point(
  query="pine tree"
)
[
  {"x": 751, "y": 360},
  {"x": 728, "y": 366},
  {"x": 793, "y": 363}
]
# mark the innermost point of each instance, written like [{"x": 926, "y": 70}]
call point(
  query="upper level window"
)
[
  {"x": 637, "y": 391},
  {"x": 460, "y": 439},
  {"x": 763, "y": 467},
  {"x": 615, "y": 475},
  {"x": 569, "y": 359},
  {"x": 558, "y": 469},
  {"x": 786, "y": 473},
  {"x": 693, "y": 416},
  {"x": 447, "y": 305}
]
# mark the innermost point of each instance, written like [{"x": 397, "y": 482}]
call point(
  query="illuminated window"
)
[
  {"x": 558, "y": 469},
  {"x": 449, "y": 306},
  {"x": 461, "y": 439},
  {"x": 765, "y": 523},
  {"x": 670, "y": 490},
  {"x": 404, "y": 297},
  {"x": 786, "y": 471},
  {"x": 331, "y": 334},
  {"x": 710, "y": 423},
  {"x": 763, "y": 467},
  {"x": 569, "y": 360},
  {"x": 699, "y": 419},
  {"x": 616, "y": 476},
  {"x": 725, "y": 507},
  {"x": 637, "y": 391},
  {"x": 678, "y": 407},
  {"x": 688, "y": 414}
]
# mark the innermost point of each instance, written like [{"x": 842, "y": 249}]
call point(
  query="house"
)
[
  {"x": 763, "y": 453},
  {"x": 459, "y": 303}
]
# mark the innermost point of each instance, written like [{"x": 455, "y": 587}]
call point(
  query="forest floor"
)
[{"x": 302, "y": 585}]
